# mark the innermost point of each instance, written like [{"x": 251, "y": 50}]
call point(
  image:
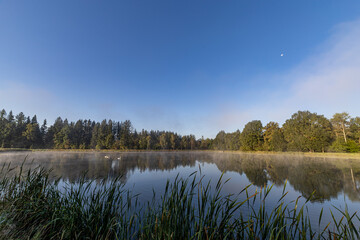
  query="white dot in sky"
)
[{"x": 281, "y": 55}]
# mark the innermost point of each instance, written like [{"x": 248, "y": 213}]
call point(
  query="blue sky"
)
[{"x": 186, "y": 66}]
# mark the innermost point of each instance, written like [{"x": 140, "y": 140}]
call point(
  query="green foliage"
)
[
  {"x": 165, "y": 140},
  {"x": 304, "y": 131},
  {"x": 220, "y": 141},
  {"x": 252, "y": 136},
  {"x": 33, "y": 135},
  {"x": 340, "y": 122},
  {"x": 105, "y": 137},
  {"x": 227, "y": 141},
  {"x": 307, "y": 131},
  {"x": 340, "y": 145},
  {"x": 354, "y": 129},
  {"x": 8, "y": 132},
  {"x": 206, "y": 144},
  {"x": 274, "y": 138},
  {"x": 62, "y": 138},
  {"x": 352, "y": 146},
  {"x": 278, "y": 142}
]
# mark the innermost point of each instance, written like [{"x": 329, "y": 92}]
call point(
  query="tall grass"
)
[{"x": 34, "y": 206}]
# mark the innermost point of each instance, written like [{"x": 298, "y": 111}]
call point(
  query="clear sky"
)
[{"x": 185, "y": 66}]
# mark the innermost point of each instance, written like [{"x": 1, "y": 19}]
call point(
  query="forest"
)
[{"x": 303, "y": 132}]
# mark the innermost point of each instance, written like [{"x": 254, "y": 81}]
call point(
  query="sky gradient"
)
[{"x": 186, "y": 66}]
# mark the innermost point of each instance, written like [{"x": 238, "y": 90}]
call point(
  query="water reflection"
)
[{"x": 328, "y": 177}]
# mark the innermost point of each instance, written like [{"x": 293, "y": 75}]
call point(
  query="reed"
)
[{"x": 34, "y": 206}]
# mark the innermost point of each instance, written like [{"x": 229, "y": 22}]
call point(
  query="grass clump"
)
[{"x": 34, "y": 206}]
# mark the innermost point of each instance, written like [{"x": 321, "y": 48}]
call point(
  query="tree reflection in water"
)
[{"x": 328, "y": 177}]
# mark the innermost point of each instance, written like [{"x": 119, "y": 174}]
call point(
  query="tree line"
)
[
  {"x": 304, "y": 131},
  {"x": 24, "y": 132}
]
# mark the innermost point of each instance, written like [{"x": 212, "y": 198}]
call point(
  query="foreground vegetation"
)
[
  {"x": 303, "y": 132},
  {"x": 35, "y": 207}
]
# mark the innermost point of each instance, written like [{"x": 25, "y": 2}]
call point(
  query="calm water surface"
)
[{"x": 335, "y": 181}]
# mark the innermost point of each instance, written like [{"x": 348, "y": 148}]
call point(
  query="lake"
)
[{"x": 335, "y": 181}]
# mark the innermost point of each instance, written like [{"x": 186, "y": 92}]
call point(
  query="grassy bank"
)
[
  {"x": 302, "y": 154},
  {"x": 34, "y": 207},
  {"x": 299, "y": 154},
  {"x": 13, "y": 149}
]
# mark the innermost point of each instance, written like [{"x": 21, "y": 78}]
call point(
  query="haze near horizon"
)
[{"x": 184, "y": 66}]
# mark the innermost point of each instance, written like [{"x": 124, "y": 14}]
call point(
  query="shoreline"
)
[{"x": 299, "y": 154}]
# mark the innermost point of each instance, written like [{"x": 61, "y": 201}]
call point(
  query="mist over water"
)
[{"x": 335, "y": 181}]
